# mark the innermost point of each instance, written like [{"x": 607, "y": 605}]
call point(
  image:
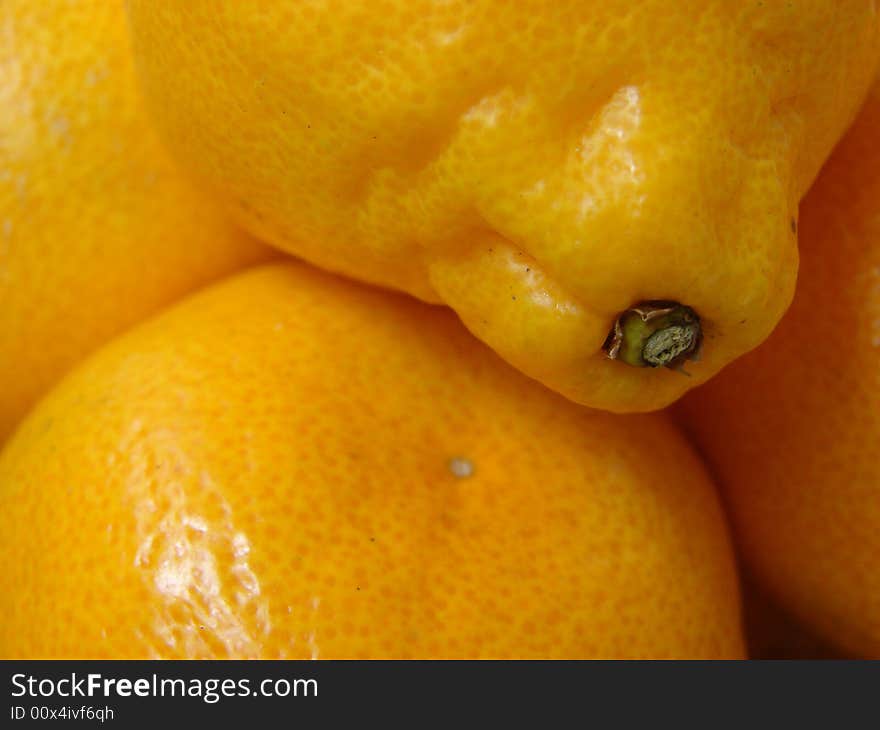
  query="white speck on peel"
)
[
  {"x": 447, "y": 39},
  {"x": 461, "y": 468}
]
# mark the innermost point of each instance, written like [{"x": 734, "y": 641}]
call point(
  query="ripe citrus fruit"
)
[
  {"x": 292, "y": 465},
  {"x": 793, "y": 430},
  {"x": 97, "y": 228},
  {"x": 539, "y": 166}
]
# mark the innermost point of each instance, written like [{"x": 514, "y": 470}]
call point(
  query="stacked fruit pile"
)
[{"x": 454, "y": 427}]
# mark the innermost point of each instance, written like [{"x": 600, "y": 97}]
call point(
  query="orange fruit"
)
[
  {"x": 539, "y": 166},
  {"x": 97, "y": 227},
  {"x": 792, "y": 430},
  {"x": 291, "y": 465}
]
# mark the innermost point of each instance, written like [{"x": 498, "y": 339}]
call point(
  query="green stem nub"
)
[{"x": 655, "y": 334}]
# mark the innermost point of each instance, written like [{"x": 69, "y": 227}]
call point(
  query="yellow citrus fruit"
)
[
  {"x": 292, "y": 465},
  {"x": 539, "y": 166},
  {"x": 97, "y": 228},
  {"x": 793, "y": 430}
]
